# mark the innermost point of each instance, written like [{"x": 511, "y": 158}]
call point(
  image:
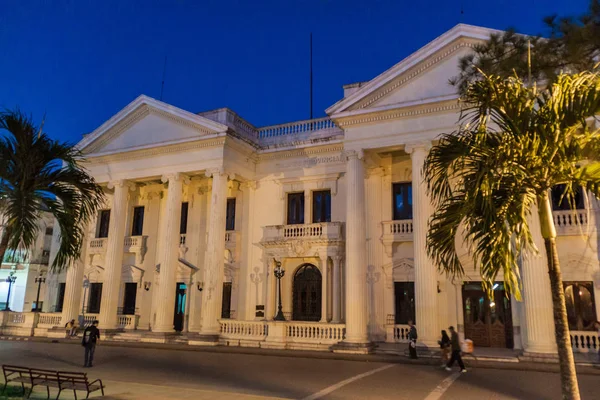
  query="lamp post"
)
[
  {"x": 86, "y": 285},
  {"x": 279, "y": 273},
  {"x": 39, "y": 280},
  {"x": 10, "y": 279}
]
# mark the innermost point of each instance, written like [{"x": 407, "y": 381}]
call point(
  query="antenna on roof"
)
[
  {"x": 162, "y": 85},
  {"x": 311, "y": 79}
]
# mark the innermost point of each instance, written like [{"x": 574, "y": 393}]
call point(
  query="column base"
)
[
  {"x": 353, "y": 348},
  {"x": 198, "y": 339},
  {"x": 159, "y": 337},
  {"x": 547, "y": 358}
]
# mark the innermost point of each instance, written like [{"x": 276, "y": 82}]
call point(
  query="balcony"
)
[
  {"x": 571, "y": 222},
  {"x": 97, "y": 246},
  {"x": 396, "y": 232},
  {"x": 131, "y": 244},
  {"x": 300, "y": 239}
]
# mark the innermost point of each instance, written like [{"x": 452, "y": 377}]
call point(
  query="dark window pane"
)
[
  {"x": 561, "y": 202},
  {"x": 230, "y": 219},
  {"x": 581, "y": 307},
  {"x": 137, "y": 226},
  {"x": 60, "y": 298},
  {"x": 184, "y": 218},
  {"x": 103, "y": 223},
  {"x": 322, "y": 206},
  {"x": 95, "y": 297},
  {"x": 295, "y": 214},
  {"x": 405, "y": 302},
  {"x": 226, "y": 301},
  {"x": 402, "y": 200}
]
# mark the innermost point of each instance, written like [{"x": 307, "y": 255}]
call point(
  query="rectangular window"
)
[
  {"x": 94, "y": 298},
  {"x": 295, "y": 208},
  {"x": 402, "y": 200},
  {"x": 184, "y": 218},
  {"x": 404, "y": 293},
  {"x": 581, "y": 307},
  {"x": 321, "y": 206},
  {"x": 137, "y": 226},
  {"x": 230, "y": 219},
  {"x": 226, "y": 301},
  {"x": 103, "y": 222},
  {"x": 561, "y": 202},
  {"x": 60, "y": 297}
]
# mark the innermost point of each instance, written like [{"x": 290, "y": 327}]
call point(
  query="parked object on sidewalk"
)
[
  {"x": 455, "y": 345},
  {"x": 467, "y": 346},
  {"x": 412, "y": 337},
  {"x": 75, "y": 381},
  {"x": 90, "y": 337}
]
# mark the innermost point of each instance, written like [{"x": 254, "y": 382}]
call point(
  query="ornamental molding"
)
[
  {"x": 338, "y": 147},
  {"x": 156, "y": 151},
  {"x": 414, "y": 72},
  {"x": 400, "y": 113},
  {"x": 309, "y": 183}
]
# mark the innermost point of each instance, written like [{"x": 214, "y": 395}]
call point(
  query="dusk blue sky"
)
[{"x": 81, "y": 61}]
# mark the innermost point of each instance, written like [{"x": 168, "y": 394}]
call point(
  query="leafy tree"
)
[
  {"x": 39, "y": 174},
  {"x": 572, "y": 45},
  {"x": 514, "y": 144}
]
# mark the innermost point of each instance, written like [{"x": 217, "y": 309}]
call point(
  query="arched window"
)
[
  {"x": 581, "y": 308},
  {"x": 307, "y": 294}
]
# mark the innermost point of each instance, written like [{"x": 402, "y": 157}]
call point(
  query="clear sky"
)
[{"x": 81, "y": 61}]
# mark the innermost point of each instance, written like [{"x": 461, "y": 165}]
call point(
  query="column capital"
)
[
  {"x": 249, "y": 184},
  {"x": 410, "y": 148},
  {"x": 358, "y": 153},
  {"x": 121, "y": 183},
  {"x": 211, "y": 172},
  {"x": 175, "y": 176}
]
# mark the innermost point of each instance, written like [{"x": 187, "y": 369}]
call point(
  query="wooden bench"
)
[{"x": 62, "y": 380}]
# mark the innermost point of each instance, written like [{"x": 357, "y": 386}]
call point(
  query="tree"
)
[
  {"x": 514, "y": 144},
  {"x": 39, "y": 174},
  {"x": 572, "y": 45}
]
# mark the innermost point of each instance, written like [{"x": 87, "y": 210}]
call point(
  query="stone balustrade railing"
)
[
  {"x": 128, "y": 322},
  {"x": 314, "y": 332},
  {"x": 585, "y": 341},
  {"x": 49, "y": 320},
  {"x": 97, "y": 245},
  {"x": 320, "y": 230},
  {"x": 88, "y": 319},
  {"x": 400, "y": 230},
  {"x": 323, "y": 125},
  {"x": 18, "y": 323},
  {"x": 396, "y": 333},
  {"x": 571, "y": 222},
  {"x": 253, "y": 330}
]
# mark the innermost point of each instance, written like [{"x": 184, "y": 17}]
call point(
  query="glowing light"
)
[
  {"x": 495, "y": 286},
  {"x": 492, "y": 304}
]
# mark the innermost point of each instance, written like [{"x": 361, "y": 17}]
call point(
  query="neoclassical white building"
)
[{"x": 202, "y": 208}]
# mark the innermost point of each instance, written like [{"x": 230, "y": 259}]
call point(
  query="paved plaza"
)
[{"x": 154, "y": 373}]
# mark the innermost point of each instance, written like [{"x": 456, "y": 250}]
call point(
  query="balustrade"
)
[
  {"x": 298, "y": 127},
  {"x": 127, "y": 321},
  {"x": 309, "y": 332},
  {"x": 396, "y": 333},
  {"x": 49, "y": 320},
  {"x": 585, "y": 341},
  {"x": 571, "y": 222},
  {"x": 231, "y": 329},
  {"x": 97, "y": 245},
  {"x": 321, "y": 230},
  {"x": 401, "y": 230}
]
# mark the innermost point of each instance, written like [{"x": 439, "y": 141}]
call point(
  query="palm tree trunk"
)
[
  {"x": 4, "y": 242},
  {"x": 568, "y": 374}
]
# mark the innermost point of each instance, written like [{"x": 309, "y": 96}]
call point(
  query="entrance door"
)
[
  {"x": 129, "y": 296},
  {"x": 488, "y": 323},
  {"x": 179, "y": 306},
  {"x": 95, "y": 298},
  {"x": 226, "y": 303},
  {"x": 307, "y": 294},
  {"x": 60, "y": 298}
]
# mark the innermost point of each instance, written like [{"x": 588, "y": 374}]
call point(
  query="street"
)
[{"x": 131, "y": 373}]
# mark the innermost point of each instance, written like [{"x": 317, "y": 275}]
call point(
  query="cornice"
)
[
  {"x": 157, "y": 151},
  {"x": 301, "y": 152},
  {"x": 399, "y": 113}
]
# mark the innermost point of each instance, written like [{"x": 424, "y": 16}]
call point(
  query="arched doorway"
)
[{"x": 307, "y": 294}]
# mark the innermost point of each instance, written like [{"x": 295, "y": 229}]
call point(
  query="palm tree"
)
[
  {"x": 38, "y": 174},
  {"x": 514, "y": 144}
]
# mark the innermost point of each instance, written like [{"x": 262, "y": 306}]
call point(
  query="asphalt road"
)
[{"x": 131, "y": 373}]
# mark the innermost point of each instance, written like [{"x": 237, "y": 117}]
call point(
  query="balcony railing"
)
[
  {"x": 395, "y": 232},
  {"x": 293, "y": 128},
  {"x": 585, "y": 341},
  {"x": 98, "y": 245},
  {"x": 320, "y": 230},
  {"x": 315, "y": 333},
  {"x": 571, "y": 222}
]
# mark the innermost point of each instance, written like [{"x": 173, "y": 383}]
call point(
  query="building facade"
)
[{"x": 203, "y": 209}]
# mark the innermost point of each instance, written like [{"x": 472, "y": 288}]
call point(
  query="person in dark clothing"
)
[
  {"x": 455, "y": 345},
  {"x": 445, "y": 347},
  {"x": 412, "y": 340},
  {"x": 90, "y": 337}
]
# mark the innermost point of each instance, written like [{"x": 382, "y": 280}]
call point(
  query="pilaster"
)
[
  {"x": 336, "y": 292},
  {"x": 324, "y": 286}
]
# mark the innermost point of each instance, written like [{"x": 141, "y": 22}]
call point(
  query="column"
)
[
  {"x": 426, "y": 275},
  {"x": 335, "y": 314},
  {"x": 324, "y": 286},
  {"x": 537, "y": 296},
  {"x": 269, "y": 289},
  {"x": 73, "y": 289},
  {"x": 113, "y": 264},
  {"x": 170, "y": 254},
  {"x": 214, "y": 260},
  {"x": 356, "y": 251}
]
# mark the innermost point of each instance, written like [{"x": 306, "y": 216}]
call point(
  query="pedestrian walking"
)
[
  {"x": 445, "y": 348},
  {"x": 90, "y": 336},
  {"x": 455, "y": 346},
  {"x": 412, "y": 340}
]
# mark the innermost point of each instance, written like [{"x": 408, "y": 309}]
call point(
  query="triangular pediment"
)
[
  {"x": 147, "y": 123},
  {"x": 422, "y": 76}
]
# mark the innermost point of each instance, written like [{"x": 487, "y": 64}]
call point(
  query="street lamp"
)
[
  {"x": 39, "y": 280},
  {"x": 10, "y": 279},
  {"x": 279, "y": 273}
]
